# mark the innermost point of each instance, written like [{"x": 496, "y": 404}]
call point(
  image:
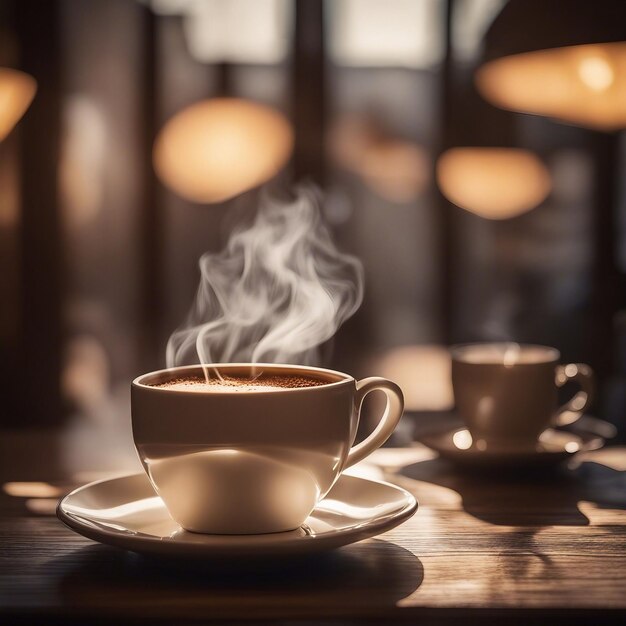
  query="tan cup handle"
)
[
  {"x": 583, "y": 375},
  {"x": 388, "y": 422}
]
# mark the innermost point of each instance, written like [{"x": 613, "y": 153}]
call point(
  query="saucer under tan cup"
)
[
  {"x": 245, "y": 462},
  {"x": 506, "y": 393},
  {"x": 126, "y": 512}
]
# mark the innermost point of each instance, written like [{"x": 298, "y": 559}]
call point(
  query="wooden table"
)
[{"x": 482, "y": 548}]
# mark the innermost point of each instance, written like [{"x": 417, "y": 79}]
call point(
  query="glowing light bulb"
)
[{"x": 596, "y": 72}]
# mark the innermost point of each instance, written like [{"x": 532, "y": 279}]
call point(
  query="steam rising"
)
[{"x": 277, "y": 291}]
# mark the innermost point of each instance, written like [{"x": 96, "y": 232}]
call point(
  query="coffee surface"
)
[{"x": 233, "y": 383}]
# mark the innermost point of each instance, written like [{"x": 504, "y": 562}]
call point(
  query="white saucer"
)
[
  {"x": 552, "y": 448},
  {"x": 126, "y": 512}
]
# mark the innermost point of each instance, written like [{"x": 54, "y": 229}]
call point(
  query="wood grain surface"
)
[{"x": 485, "y": 547}]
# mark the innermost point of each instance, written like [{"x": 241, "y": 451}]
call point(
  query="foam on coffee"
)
[{"x": 238, "y": 384}]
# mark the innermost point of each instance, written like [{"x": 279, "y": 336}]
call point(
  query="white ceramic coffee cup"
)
[
  {"x": 506, "y": 393},
  {"x": 247, "y": 462}
]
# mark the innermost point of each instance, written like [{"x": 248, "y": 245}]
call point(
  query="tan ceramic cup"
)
[
  {"x": 507, "y": 393},
  {"x": 234, "y": 462}
]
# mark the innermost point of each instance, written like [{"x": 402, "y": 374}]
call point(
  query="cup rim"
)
[
  {"x": 552, "y": 354},
  {"x": 344, "y": 379}
]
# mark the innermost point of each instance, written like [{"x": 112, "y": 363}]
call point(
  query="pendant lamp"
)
[
  {"x": 494, "y": 183},
  {"x": 563, "y": 60},
  {"x": 218, "y": 148}
]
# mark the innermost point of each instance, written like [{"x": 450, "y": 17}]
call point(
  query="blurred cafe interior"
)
[
  {"x": 468, "y": 155},
  {"x": 360, "y": 185}
]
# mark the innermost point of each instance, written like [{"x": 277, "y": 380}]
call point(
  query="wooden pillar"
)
[
  {"x": 41, "y": 282},
  {"x": 308, "y": 84},
  {"x": 150, "y": 213},
  {"x": 443, "y": 207},
  {"x": 607, "y": 293}
]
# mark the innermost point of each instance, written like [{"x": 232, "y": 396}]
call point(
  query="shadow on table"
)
[
  {"x": 369, "y": 574},
  {"x": 526, "y": 498}
]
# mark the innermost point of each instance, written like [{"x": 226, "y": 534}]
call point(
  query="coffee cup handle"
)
[
  {"x": 388, "y": 422},
  {"x": 572, "y": 411}
]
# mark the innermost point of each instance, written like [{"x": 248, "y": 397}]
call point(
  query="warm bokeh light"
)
[
  {"x": 397, "y": 169},
  {"x": 462, "y": 439},
  {"x": 495, "y": 183},
  {"x": 86, "y": 372},
  {"x": 219, "y": 148},
  {"x": 584, "y": 85},
  {"x": 612, "y": 456},
  {"x": 82, "y": 166},
  {"x": 596, "y": 72},
  {"x": 423, "y": 373},
  {"x": 17, "y": 91},
  {"x": 31, "y": 490},
  {"x": 42, "y": 506}
]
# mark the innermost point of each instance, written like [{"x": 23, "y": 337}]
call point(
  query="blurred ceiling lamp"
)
[
  {"x": 396, "y": 169},
  {"x": 216, "y": 149},
  {"x": 564, "y": 60},
  {"x": 495, "y": 183},
  {"x": 423, "y": 373},
  {"x": 17, "y": 91}
]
